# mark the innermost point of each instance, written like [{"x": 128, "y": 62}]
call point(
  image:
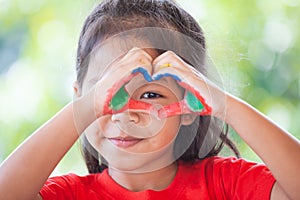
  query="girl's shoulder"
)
[
  {"x": 71, "y": 185},
  {"x": 218, "y": 161},
  {"x": 229, "y": 176},
  {"x": 223, "y": 166}
]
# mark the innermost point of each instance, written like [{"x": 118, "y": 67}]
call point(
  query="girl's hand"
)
[
  {"x": 170, "y": 63},
  {"x": 92, "y": 104}
]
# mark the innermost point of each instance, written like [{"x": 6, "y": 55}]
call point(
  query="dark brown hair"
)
[{"x": 111, "y": 17}]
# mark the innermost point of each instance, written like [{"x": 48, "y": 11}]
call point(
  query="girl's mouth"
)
[{"x": 124, "y": 142}]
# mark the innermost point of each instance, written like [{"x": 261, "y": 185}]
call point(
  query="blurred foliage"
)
[{"x": 255, "y": 46}]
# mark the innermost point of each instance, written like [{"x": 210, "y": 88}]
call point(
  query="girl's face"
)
[
  {"x": 114, "y": 140},
  {"x": 150, "y": 133}
]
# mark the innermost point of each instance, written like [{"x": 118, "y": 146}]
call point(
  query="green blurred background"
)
[{"x": 255, "y": 45}]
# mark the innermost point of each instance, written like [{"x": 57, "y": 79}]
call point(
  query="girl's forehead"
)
[
  {"x": 110, "y": 51},
  {"x": 149, "y": 39},
  {"x": 113, "y": 49}
]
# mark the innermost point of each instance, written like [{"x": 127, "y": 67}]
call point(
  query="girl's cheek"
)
[{"x": 105, "y": 129}]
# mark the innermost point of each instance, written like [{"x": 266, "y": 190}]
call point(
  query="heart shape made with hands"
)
[{"x": 118, "y": 100}]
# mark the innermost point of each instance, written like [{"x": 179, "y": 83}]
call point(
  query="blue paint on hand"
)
[
  {"x": 167, "y": 75},
  {"x": 144, "y": 72},
  {"x": 150, "y": 79}
]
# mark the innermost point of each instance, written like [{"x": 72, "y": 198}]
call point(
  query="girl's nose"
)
[
  {"x": 138, "y": 123},
  {"x": 126, "y": 117}
]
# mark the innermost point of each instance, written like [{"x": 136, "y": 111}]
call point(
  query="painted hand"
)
[
  {"x": 200, "y": 94},
  {"x": 109, "y": 93},
  {"x": 201, "y": 97}
]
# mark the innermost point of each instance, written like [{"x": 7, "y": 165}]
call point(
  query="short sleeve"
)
[
  {"x": 60, "y": 187},
  {"x": 240, "y": 179}
]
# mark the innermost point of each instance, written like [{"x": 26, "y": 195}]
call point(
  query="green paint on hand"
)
[
  {"x": 120, "y": 99},
  {"x": 193, "y": 102}
]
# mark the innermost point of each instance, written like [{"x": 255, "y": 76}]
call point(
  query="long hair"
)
[{"x": 111, "y": 17}]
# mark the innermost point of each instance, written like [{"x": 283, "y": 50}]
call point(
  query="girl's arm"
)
[
  {"x": 277, "y": 148},
  {"x": 24, "y": 172}
]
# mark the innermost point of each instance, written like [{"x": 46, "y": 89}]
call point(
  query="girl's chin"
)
[
  {"x": 144, "y": 164},
  {"x": 136, "y": 156}
]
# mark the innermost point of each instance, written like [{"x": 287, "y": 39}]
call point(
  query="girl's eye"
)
[{"x": 150, "y": 95}]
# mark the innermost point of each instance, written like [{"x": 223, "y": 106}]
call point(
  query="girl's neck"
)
[{"x": 155, "y": 180}]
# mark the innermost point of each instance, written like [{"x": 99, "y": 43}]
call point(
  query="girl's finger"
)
[
  {"x": 168, "y": 59},
  {"x": 124, "y": 66},
  {"x": 169, "y": 64},
  {"x": 138, "y": 54},
  {"x": 121, "y": 72}
]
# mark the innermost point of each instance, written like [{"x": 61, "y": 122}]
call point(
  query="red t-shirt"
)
[{"x": 211, "y": 178}]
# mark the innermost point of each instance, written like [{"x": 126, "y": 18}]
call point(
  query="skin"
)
[
  {"x": 166, "y": 91},
  {"x": 156, "y": 93},
  {"x": 280, "y": 153},
  {"x": 148, "y": 148},
  {"x": 252, "y": 126}
]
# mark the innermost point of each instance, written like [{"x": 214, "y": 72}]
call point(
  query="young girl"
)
[{"x": 140, "y": 98}]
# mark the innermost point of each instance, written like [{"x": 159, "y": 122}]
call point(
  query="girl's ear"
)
[
  {"x": 188, "y": 119},
  {"x": 77, "y": 90}
]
